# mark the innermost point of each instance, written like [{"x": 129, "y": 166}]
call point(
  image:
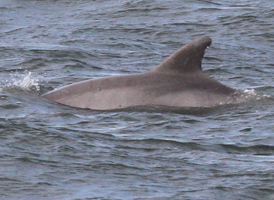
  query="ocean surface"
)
[{"x": 50, "y": 151}]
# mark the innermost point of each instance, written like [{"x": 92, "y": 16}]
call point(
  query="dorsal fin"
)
[{"x": 186, "y": 59}]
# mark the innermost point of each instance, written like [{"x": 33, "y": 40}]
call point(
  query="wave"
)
[
  {"x": 156, "y": 144},
  {"x": 25, "y": 81}
]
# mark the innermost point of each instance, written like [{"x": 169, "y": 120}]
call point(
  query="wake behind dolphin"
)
[{"x": 177, "y": 82}]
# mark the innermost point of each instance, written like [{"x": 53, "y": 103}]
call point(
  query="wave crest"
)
[{"x": 24, "y": 81}]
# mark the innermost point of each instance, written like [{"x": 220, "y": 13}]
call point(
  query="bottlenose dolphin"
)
[{"x": 176, "y": 82}]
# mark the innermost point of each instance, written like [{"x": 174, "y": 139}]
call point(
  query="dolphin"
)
[{"x": 177, "y": 82}]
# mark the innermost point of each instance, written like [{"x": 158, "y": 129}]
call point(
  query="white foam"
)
[
  {"x": 24, "y": 81},
  {"x": 250, "y": 93}
]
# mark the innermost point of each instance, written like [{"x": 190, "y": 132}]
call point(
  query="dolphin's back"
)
[{"x": 176, "y": 82}]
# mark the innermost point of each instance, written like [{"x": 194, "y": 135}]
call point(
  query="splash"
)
[
  {"x": 24, "y": 81},
  {"x": 252, "y": 94}
]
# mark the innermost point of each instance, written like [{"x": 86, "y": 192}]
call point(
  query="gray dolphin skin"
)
[{"x": 177, "y": 82}]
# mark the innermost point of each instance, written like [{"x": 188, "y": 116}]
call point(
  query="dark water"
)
[{"x": 49, "y": 151}]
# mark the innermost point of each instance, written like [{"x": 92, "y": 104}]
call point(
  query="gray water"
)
[{"x": 50, "y": 151}]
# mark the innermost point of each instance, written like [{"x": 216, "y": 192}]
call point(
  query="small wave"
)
[
  {"x": 251, "y": 94},
  {"x": 151, "y": 145},
  {"x": 24, "y": 81}
]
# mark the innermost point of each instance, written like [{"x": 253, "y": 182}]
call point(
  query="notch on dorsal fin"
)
[{"x": 186, "y": 59}]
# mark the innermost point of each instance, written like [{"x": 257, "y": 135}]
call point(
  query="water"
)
[{"x": 50, "y": 151}]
